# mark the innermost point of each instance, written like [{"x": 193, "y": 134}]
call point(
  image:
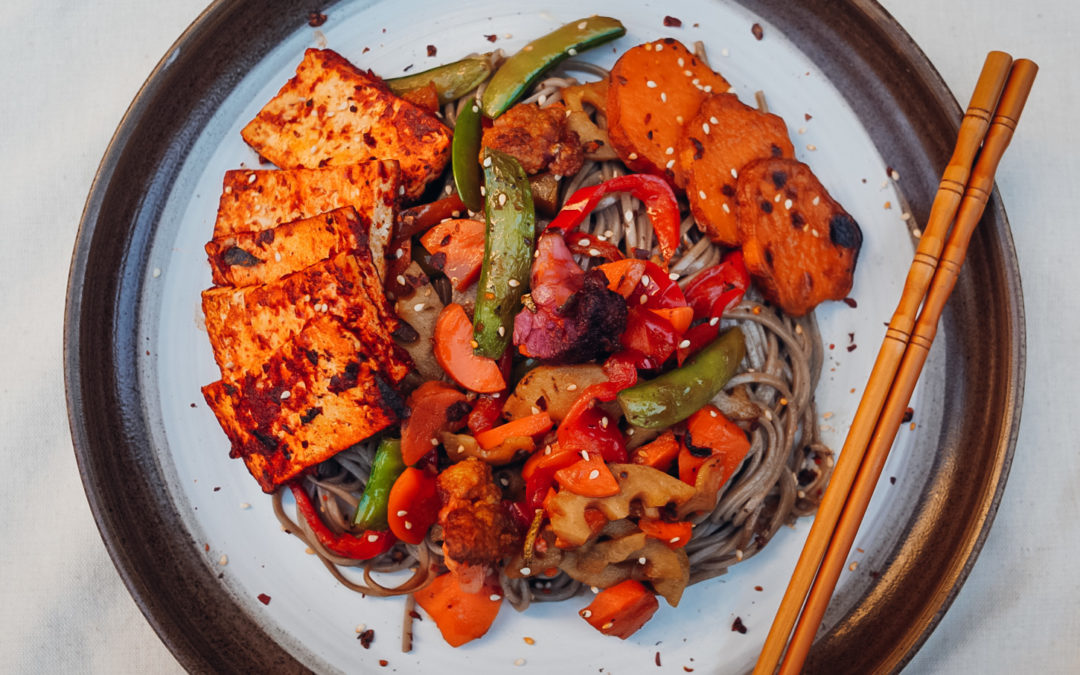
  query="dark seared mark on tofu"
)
[
  {"x": 844, "y": 231},
  {"x": 238, "y": 256}
]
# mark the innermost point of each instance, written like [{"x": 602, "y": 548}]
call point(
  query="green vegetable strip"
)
[
  {"x": 452, "y": 81},
  {"x": 385, "y": 469},
  {"x": 466, "y": 156},
  {"x": 518, "y": 73},
  {"x": 508, "y": 252},
  {"x": 679, "y": 393}
]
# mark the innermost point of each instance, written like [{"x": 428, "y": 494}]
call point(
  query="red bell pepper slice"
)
[
  {"x": 650, "y": 334},
  {"x": 654, "y": 192},
  {"x": 358, "y": 547},
  {"x": 696, "y": 338},
  {"x": 417, "y": 219},
  {"x": 413, "y": 505},
  {"x": 539, "y": 472},
  {"x": 636, "y": 279},
  {"x": 592, "y": 246},
  {"x": 718, "y": 288},
  {"x": 593, "y": 430}
]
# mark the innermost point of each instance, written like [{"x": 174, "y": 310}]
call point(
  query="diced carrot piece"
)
[
  {"x": 460, "y": 616},
  {"x": 673, "y": 535},
  {"x": 457, "y": 248},
  {"x": 658, "y": 453},
  {"x": 622, "y": 609},
  {"x": 623, "y": 275},
  {"x": 588, "y": 478},
  {"x": 426, "y": 97},
  {"x": 454, "y": 352},
  {"x": 720, "y": 140},
  {"x": 678, "y": 317},
  {"x": 710, "y": 434},
  {"x": 530, "y": 425},
  {"x": 436, "y": 406},
  {"x": 799, "y": 244},
  {"x": 655, "y": 89},
  {"x": 413, "y": 505}
]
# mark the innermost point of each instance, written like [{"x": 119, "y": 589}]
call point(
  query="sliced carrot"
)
[
  {"x": 623, "y": 275},
  {"x": 413, "y": 505},
  {"x": 454, "y": 352},
  {"x": 710, "y": 434},
  {"x": 588, "y": 478},
  {"x": 622, "y": 609},
  {"x": 460, "y": 616},
  {"x": 435, "y": 406},
  {"x": 799, "y": 244},
  {"x": 655, "y": 89},
  {"x": 673, "y": 535},
  {"x": 530, "y": 425},
  {"x": 720, "y": 140},
  {"x": 658, "y": 453},
  {"x": 427, "y": 97},
  {"x": 678, "y": 317},
  {"x": 457, "y": 248}
]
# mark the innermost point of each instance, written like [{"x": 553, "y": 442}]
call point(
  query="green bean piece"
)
[
  {"x": 465, "y": 155},
  {"x": 508, "y": 252},
  {"x": 385, "y": 469},
  {"x": 452, "y": 81},
  {"x": 675, "y": 395},
  {"x": 519, "y": 72}
]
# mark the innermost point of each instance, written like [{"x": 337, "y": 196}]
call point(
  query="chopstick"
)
[{"x": 977, "y": 119}]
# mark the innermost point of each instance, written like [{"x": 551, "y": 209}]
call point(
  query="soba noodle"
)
[{"x": 781, "y": 478}]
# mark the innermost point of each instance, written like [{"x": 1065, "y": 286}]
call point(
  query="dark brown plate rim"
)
[{"x": 911, "y": 116}]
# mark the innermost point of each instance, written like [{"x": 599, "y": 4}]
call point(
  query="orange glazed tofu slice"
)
[
  {"x": 246, "y": 325},
  {"x": 654, "y": 89},
  {"x": 720, "y": 140},
  {"x": 257, "y": 200},
  {"x": 250, "y": 258},
  {"x": 332, "y": 113},
  {"x": 320, "y": 393},
  {"x": 799, "y": 244}
]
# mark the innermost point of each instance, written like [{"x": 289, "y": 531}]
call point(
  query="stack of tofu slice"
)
[{"x": 297, "y": 318}]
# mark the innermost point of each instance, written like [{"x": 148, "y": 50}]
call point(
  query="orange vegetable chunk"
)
[
  {"x": 622, "y": 609},
  {"x": 460, "y": 616}
]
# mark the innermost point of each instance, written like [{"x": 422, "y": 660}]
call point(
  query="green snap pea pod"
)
[
  {"x": 508, "y": 252},
  {"x": 465, "y": 155},
  {"x": 519, "y": 72},
  {"x": 385, "y": 469},
  {"x": 679, "y": 393},
  {"x": 452, "y": 81}
]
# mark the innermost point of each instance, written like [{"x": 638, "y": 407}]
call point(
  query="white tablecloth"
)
[{"x": 70, "y": 69}]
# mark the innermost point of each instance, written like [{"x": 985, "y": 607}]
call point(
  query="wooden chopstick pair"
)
[{"x": 988, "y": 123}]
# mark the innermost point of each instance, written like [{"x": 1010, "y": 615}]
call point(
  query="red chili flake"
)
[
  {"x": 909, "y": 414},
  {"x": 738, "y": 626},
  {"x": 384, "y": 663},
  {"x": 657, "y": 659},
  {"x": 851, "y": 348},
  {"x": 431, "y": 50},
  {"x": 316, "y": 19},
  {"x": 688, "y": 669},
  {"x": 758, "y": 588},
  {"x": 758, "y": 31},
  {"x": 193, "y": 405},
  {"x": 491, "y": 38},
  {"x": 366, "y": 638},
  {"x": 832, "y": 346},
  {"x": 217, "y": 488},
  {"x": 892, "y": 480},
  {"x": 672, "y": 22},
  {"x": 365, "y": 50},
  {"x": 416, "y": 615},
  {"x": 207, "y": 548},
  {"x": 850, "y": 302},
  {"x": 264, "y": 598}
]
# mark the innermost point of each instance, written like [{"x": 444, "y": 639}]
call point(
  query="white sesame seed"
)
[
  {"x": 604, "y": 422},
  {"x": 650, "y": 84},
  {"x": 802, "y": 130},
  {"x": 811, "y": 147},
  {"x": 513, "y": 283},
  {"x": 645, "y": 280},
  {"x": 663, "y": 97},
  {"x": 682, "y": 62},
  {"x": 916, "y": 233},
  {"x": 594, "y": 252},
  {"x": 816, "y": 201},
  {"x": 487, "y": 161},
  {"x": 157, "y": 272},
  {"x": 223, "y": 560},
  {"x": 401, "y": 190},
  {"x": 895, "y": 175},
  {"x": 712, "y": 413},
  {"x": 571, "y": 51},
  {"x": 594, "y": 474},
  {"x": 674, "y": 540},
  {"x": 738, "y": 554},
  {"x": 670, "y": 151},
  {"x": 535, "y": 410},
  {"x": 483, "y": 192},
  {"x": 679, "y": 119},
  {"x": 659, "y": 47},
  {"x": 460, "y": 449},
  {"x": 670, "y": 164},
  {"x": 684, "y": 344},
  {"x": 399, "y": 254},
  {"x": 228, "y": 189},
  {"x": 502, "y": 331},
  {"x": 674, "y": 276},
  {"x": 905, "y": 216},
  {"x": 285, "y": 394},
  {"x": 734, "y": 173},
  {"x": 701, "y": 193},
  {"x": 547, "y": 449},
  {"x": 373, "y": 538},
  {"x": 705, "y": 128},
  {"x": 418, "y": 307},
  {"x": 585, "y": 455},
  {"x": 713, "y": 321},
  {"x": 787, "y": 204},
  {"x": 630, "y": 431},
  {"x": 245, "y": 505},
  {"x": 495, "y": 597},
  {"x": 687, "y": 73},
  {"x": 586, "y": 613},
  {"x": 594, "y": 589},
  {"x": 581, "y": 26},
  {"x": 495, "y": 395},
  {"x": 727, "y": 209},
  {"x": 632, "y": 155},
  {"x": 642, "y": 560},
  {"x": 400, "y": 279},
  {"x": 571, "y": 387},
  {"x": 402, "y": 513},
  {"x": 643, "y": 299},
  {"x": 502, "y": 199},
  {"x": 251, "y": 178},
  {"x": 725, "y": 52},
  {"x": 434, "y": 441},
  {"x": 707, "y": 88},
  {"x": 777, "y": 197}
]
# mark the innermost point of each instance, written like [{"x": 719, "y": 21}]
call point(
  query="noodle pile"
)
[{"x": 782, "y": 477}]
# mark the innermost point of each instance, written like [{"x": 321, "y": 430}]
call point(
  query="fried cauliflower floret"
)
[
  {"x": 537, "y": 137},
  {"x": 477, "y": 531}
]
